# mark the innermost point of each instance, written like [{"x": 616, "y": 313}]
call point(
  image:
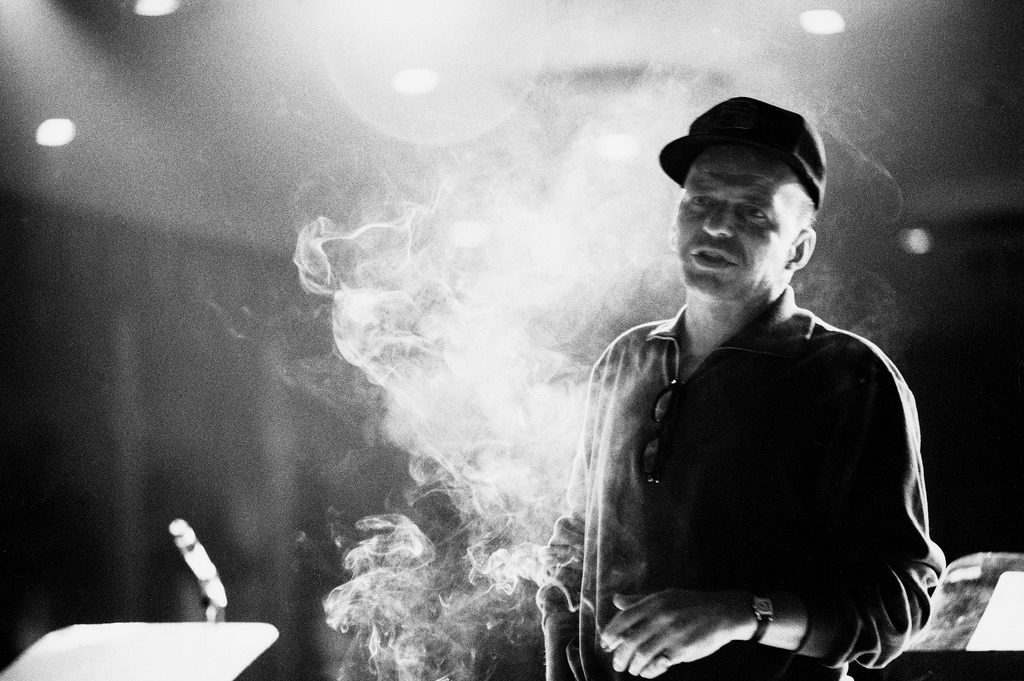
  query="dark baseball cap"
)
[{"x": 782, "y": 134}]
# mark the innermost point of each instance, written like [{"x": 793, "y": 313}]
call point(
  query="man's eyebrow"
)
[
  {"x": 744, "y": 178},
  {"x": 740, "y": 179},
  {"x": 757, "y": 187}
]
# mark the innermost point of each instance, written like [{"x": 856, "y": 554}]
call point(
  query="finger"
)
[
  {"x": 623, "y": 656},
  {"x": 640, "y": 637},
  {"x": 670, "y": 642},
  {"x": 616, "y": 630},
  {"x": 625, "y": 601},
  {"x": 624, "y": 647},
  {"x": 652, "y": 655},
  {"x": 660, "y": 650},
  {"x": 623, "y": 621},
  {"x": 609, "y": 645},
  {"x": 658, "y": 666}
]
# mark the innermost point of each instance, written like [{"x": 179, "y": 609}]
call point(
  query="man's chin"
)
[
  {"x": 706, "y": 281},
  {"x": 714, "y": 287}
]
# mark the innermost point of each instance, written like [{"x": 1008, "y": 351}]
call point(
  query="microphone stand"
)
[{"x": 215, "y": 599}]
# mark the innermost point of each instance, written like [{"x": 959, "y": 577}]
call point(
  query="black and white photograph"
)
[{"x": 547, "y": 340}]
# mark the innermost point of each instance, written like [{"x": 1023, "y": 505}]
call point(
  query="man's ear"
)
[{"x": 802, "y": 249}]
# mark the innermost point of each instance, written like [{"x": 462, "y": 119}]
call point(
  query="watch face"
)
[{"x": 763, "y": 608}]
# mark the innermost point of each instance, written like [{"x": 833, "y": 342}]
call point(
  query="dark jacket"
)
[{"x": 790, "y": 460}]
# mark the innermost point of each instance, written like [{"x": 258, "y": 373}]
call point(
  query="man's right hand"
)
[{"x": 653, "y": 632}]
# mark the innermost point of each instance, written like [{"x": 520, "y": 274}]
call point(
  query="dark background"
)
[{"x": 157, "y": 348}]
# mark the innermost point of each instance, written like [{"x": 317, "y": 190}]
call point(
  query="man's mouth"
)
[{"x": 713, "y": 257}]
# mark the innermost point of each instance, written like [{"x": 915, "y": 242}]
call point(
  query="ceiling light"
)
[
  {"x": 55, "y": 132},
  {"x": 916, "y": 240},
  {"x": 415, "y": 81},
  {"x": 822, "y": 21},
  {"x": 156, "y": 8}
]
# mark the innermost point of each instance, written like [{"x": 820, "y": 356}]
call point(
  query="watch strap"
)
[{"x": 764, "y": 613}]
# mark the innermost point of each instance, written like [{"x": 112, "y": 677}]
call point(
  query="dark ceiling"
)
[{"x": 223, "y": 117}]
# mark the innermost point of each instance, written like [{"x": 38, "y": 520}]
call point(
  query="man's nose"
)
[{"x": 718, "y": 222}]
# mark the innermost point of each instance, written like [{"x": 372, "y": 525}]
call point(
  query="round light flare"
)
[
  {"x": 432, "y": 73},
  {"x": 916, "y": 240},
  {"x": 415, "y": 81},
  {"x": 822, "y": 21},
  {"x": 468, "y": 234},
  {"x": 156, "y": 8},
  {"x": 617, "y": 146},
  {"x": 55, "y": 132}
]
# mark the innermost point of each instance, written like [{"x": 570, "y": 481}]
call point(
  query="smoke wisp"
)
[{"x": 477, "y": 309}]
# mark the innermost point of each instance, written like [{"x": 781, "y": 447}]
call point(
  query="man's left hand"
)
[{"x": 653, "y": 632}]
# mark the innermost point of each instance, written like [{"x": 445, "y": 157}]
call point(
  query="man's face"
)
[{"x": 743, "y": 226}]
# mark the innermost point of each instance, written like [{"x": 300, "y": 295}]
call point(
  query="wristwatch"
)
[{"x": 764, "y": 613}]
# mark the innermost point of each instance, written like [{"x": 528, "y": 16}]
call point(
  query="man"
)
[{"x": 747, "y": 501}]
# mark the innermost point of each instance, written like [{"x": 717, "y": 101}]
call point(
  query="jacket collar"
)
[{"x": 780, "y": 330}]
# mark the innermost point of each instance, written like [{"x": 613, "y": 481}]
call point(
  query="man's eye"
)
[
  {"x": 756, "y": 214},
  {"x": 700, "y": 201}
]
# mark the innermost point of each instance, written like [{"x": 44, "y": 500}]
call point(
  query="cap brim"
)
[{"x": 678, "y": 155}]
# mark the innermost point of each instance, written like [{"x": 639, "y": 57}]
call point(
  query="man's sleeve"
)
[{"x": 880, "y": 565}]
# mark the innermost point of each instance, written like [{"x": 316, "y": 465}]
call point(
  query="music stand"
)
[
  {"x": 136, "y": 651},
  {"x": 976, "y": 631}
]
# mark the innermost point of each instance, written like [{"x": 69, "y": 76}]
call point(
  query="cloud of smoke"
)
[
  {"x": 477, "y": 307},
  {"x": 478, "y": 310}
]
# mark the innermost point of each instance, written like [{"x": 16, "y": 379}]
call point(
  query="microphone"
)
[{"x": 202, "y": 567}]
